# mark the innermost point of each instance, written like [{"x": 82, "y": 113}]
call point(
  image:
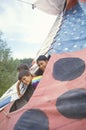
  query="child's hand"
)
[{"x": 20, "y": 95}]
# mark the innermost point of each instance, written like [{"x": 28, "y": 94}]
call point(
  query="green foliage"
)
[{"x": 8, "y": 66}]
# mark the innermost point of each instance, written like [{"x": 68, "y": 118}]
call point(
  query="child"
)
[
  {"x": 23, "y": 66},
  {"x": 27, "y": 79},
  {"x": 21, "y": 88},
  {"x": 42, "y": 61}
]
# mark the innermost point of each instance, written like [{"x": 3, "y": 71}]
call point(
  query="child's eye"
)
[{"x": 23, "y": 79}]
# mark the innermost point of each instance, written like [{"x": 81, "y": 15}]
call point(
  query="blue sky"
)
[{"x": 24, "y": 29}]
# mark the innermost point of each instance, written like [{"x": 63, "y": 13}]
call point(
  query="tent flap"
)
[{"x": 54, "y": 7}]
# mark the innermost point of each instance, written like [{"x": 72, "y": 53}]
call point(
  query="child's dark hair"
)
[
  {"x": 23, "y": 66},
  {"x": 23, "y": 73},
  {"x": 43, "y": 57}
]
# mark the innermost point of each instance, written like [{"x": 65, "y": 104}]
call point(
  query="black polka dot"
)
[
  {"x": 72, "y": 104},
  {"x": 32, "y": 119},
  {"x": 67, "y": 69}
]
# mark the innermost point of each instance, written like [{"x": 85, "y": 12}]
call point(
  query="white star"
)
[
  {"x": 75, "y": 46},
  {"x": 66, "y": 49},
  {"x": 75, "y": 11},
  {"x": 59, "y": 44}
]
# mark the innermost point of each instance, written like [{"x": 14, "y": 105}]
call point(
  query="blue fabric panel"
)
[{"x": 5, "y": 101}]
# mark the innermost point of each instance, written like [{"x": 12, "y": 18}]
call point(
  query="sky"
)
[{"x": 24, "y": 29}]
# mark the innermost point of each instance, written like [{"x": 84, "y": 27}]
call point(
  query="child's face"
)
[
  {"x": 42, "y": 64},
  {"x": 26, "y": 79}
]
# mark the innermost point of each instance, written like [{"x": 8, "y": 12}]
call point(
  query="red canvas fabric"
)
[{"x": 58, "y": 102}]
